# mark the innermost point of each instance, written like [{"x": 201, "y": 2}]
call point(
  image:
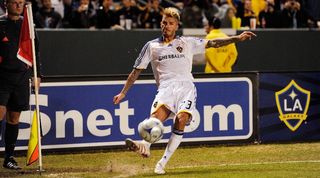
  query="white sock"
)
[{"x": 173, "y": 144}]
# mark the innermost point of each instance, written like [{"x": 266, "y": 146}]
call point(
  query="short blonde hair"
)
[{"x": 172, "y": 12}]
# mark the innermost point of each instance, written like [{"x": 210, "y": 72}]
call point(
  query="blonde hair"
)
[{"x": 172, "y": 12}]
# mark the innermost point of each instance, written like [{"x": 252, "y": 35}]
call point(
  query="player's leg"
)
[
  {"x": 156, "y": 118},
  {"x": 18, "y": 101},
  {"x": 180, "y": 122},
  {"x": 4, "y": 97},
  {"x": 10, "y": 130},
  {"x": 186, "y": 95},
  {"x": 3, "y": 111},
  {"x": 10, "y": 138}
]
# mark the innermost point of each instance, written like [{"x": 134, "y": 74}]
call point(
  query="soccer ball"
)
[{"x": 151, "y": 130}]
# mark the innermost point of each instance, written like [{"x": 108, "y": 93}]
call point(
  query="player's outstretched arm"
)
[
  {"x": 133, "y": 76},
  {"x": 216, "y": 43}
]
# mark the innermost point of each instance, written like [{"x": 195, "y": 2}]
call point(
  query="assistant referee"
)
[{"x": 14, "y": 78}]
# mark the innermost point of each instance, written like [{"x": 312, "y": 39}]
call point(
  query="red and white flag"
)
[{"x": 25, "y": 51}]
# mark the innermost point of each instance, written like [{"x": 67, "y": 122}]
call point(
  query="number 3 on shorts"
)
[{"x": 186, "y": 104}]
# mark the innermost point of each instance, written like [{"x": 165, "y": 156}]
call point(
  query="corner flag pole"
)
[{"x": 32, "y": 37}]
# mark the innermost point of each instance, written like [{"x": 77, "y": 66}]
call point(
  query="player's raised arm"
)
[
  {"x": 133, "y": 76},
  {"x": 216, "y": 43}
]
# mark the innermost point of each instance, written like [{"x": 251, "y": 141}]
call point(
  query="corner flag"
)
[
  {"x": 33, "y": 147},
  {"x": 26, "y": 53}
]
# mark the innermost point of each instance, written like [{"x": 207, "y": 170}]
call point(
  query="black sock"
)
[{"x": 10, "y": 138}]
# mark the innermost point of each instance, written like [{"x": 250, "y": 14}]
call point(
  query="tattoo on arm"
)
[
  {"x": 133, "y": 76},
  {"x": 216, "y": 43}
]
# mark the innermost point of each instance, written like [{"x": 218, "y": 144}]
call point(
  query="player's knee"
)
[
  {"x": 161, "y": 113},
  {"x": 12, "y": 121},
  {"x": 183, "y": 118},
  {"x": 13, "y": 118}
]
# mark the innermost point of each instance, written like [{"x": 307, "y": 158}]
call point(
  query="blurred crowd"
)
[{"x": 146, "y": 14}]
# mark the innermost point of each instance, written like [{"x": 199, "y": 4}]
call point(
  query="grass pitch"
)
[{"x": 270, "y": 160}]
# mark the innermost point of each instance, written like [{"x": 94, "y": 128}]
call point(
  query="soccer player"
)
[
  {"x": 171, "y": 60},
  {"x": 14, "y": 79}
]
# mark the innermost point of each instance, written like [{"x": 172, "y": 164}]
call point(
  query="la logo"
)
[
  {"x": 296, "y": 106},
  {"x": 293, "y": 104}
]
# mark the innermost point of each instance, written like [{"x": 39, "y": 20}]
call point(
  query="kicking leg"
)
[
  {"x": 174, "y": 141},
  {"x": 143, "y": 147}
]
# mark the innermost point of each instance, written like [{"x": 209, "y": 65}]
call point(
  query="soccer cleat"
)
[
  {"x": 159, "y": 169},
  {"x": 10, "y": 163},
  {"x": 138, "y": 147}
]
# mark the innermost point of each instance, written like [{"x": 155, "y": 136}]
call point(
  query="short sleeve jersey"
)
[{"x": 171, "y": 61}]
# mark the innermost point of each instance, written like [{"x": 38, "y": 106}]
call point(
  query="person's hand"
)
[
  {"x": 117, "y": 27},
  {"x": 246, "y": 35},
  {"x": 118, "y": 98},
  {"x": 38, "y": 83}
]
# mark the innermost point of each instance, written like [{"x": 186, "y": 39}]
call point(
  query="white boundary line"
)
[
  {"x": 248, "y": 164},
  {"x": 271, "y": 162}
]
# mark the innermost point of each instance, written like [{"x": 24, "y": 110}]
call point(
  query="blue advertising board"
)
[
  {"x": 82, "y": 114},
  {"x": 289, "y": 106}
]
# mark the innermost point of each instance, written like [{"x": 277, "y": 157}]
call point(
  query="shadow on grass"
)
[
  {"x": 13, "y": 173},
  {"x": 63, "y": 172}
]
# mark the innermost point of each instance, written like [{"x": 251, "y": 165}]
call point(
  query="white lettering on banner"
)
[
  {"x": 61, "y": 119},
  {"x": 124, "y": 112},
  {"x": 92, "y": 122},
  {"x": 223, "y": 113},
  {"x": 296, "y": 105},
  {"x": 26, "y": 117}
]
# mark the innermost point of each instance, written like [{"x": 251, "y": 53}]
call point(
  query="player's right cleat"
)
[
  {"x": 138, "y": 147},
  {"x": 10, "y": 163},
  {"x": 159, "y": 169}
]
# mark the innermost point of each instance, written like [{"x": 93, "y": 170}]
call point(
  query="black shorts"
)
[{"x": 14, "y": 97}]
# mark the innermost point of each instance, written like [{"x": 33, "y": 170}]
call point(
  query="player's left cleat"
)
[
  {"x": 159, "y": 169},
  {"x": 11, "y": 163},
  {"x": 138, "y": 147}
]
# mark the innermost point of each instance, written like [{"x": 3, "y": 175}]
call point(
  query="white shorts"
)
[{"x": 177, "y": 96}]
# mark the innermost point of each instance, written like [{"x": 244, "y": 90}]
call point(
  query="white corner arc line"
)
[{"x": 247, "y": 164}]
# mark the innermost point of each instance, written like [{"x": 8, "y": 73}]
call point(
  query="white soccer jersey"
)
[{"x": 172, "y": 61}]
